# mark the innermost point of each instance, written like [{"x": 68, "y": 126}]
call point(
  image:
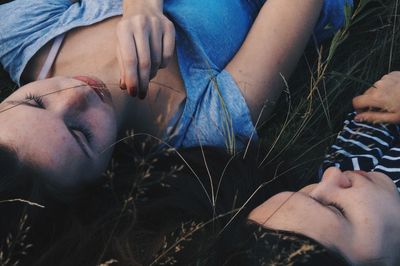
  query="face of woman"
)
[
  {"x": 354, "y": 212},
  {"x": 63, "y": 127}
]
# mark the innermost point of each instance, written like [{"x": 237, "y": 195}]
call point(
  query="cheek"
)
[
  {"x": 61, "y": 158},
  {"x": 107, "y": 136},
  {"x": 105, "y": 124}
]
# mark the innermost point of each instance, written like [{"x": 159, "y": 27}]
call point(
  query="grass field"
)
[{"x": 306, "y": 121}]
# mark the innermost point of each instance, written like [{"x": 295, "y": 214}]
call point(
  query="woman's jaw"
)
[{"x": 354, "y": 212}]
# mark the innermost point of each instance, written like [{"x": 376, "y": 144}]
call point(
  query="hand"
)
[
  {"x": 146, "y": 43},
  {"x": 381, "y": 102}
]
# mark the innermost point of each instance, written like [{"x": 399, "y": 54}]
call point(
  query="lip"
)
[{"x": 97, "y": 85}]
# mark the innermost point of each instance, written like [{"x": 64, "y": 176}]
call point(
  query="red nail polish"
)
[
  {"x": 133, "y": 91},
  {"x": 122, "y": 86}
]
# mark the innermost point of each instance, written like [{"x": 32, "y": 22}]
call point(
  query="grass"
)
[
  {"x": 308, "y": 118},
  {"x": 293, "y": 142}
]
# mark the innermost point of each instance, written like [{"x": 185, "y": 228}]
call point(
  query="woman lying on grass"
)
[
  {"x": 350, "y": 217},
  {"x": 208, "y": 89}
]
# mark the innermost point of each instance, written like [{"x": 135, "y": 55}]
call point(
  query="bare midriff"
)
[{"x": 91, "y": 51}]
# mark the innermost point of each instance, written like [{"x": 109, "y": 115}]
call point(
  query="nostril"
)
[{"x": 345, "y": 181}]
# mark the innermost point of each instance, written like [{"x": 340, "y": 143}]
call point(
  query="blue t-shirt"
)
[
  {"x": 28, "y": 25},
  {"x": 209, "y": 33}
]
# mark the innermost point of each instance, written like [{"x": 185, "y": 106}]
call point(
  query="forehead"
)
[{"x": 296, "y": 212}]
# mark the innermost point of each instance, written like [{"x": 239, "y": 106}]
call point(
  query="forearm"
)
[{"x": 272, "y": 49}]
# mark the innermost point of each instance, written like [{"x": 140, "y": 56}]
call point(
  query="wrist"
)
[{"x": 134, "y": 4}]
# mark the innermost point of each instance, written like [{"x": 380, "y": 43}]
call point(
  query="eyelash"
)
[
  {"x": 37, "y": 99},
  {"x": 337, "y": 206},
  {"x": 39, "y": 102},
  {"x": 85, "y": 131}
]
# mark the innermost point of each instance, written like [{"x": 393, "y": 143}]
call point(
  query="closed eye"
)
[
  {"x": 335, "y": 207},
  {"x": 81, "y": 140},
  {"x": 87, "y": 134},
  {"x": 30, "y": 100},
  {"x": 77, "y": 132},
  {"x": 36, "y": 99},
  {"x": 82, "y": 135}
]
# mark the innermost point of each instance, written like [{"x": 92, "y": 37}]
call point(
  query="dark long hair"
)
[
  {"x": 253, "y": 244},
  {"x": 222, "y": 235},
  {"x": 165, "y": 208}
]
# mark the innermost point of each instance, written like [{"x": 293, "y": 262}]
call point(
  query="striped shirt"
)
[{"x": 367, "y": 147}]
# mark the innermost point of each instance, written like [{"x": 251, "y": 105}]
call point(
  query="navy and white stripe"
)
[{"x": 367, "y": 147}]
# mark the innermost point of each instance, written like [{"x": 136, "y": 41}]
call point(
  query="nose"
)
[
  {"x": 74, "y": 100},
  {"x": 332, "y": 180},
  {"x": 335, "y": 177}
]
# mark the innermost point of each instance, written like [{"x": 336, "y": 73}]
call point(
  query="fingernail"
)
[
  {"x": 133, "y": 91},
  {"x": 142, "y": 94},
  {"x": 122, "y": 86}
]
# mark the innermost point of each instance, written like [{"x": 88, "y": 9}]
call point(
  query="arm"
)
[
  {"x": 362, "y": 137},
  {"x": 272, "y": 48},
  {"x": 146, "y": 42}
]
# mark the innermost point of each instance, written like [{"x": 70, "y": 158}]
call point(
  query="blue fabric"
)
[
  {"x": 214, "y": 110},
  {"x": 218, "y": 117},
  {"x": 332, "y": 18},
  {"x": 203, "y": 54},
  {"x": 206, "y": 117},
  {"x": 26, "y": 26}
]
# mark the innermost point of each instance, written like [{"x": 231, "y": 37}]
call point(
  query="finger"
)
[
  {"x": 129, "y": 59},
  {"x": 395, "y": 74},
  {"x": 144, "y": 62},
  {"x": 168, "y": 44},
  {"x": 122, "y": 84},
  {"x": 367, "y": 101},
  {"x": 378, "y": 117},
  {"x": 385, "y": 82},
  {"x": 155, "y": 50},
  {"x": 370, "y": 90}
]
